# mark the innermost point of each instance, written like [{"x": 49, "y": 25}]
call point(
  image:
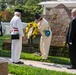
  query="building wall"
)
[{"x": 66, "y": 0}]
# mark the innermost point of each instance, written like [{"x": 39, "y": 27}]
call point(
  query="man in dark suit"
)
[
  {"x": 71, "y": 39},
  {"x": 1, "y": 29}
]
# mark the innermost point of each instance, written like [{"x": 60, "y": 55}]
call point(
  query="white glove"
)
[{"x": 70, "y": 43}]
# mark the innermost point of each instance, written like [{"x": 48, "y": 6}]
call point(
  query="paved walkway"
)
[{"x": 49, "y": 66}]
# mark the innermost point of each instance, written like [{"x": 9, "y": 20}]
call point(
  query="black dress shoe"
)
[
  {"x": 71, "y": 68},
  {"x": 20, "y": 62}
]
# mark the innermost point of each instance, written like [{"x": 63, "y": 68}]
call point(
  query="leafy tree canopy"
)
[
  {"x": 33, "y": 2},
  {"x": 29, "y": 7}
]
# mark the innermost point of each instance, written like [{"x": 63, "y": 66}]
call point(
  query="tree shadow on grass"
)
[{"x": 58, "y": 60}]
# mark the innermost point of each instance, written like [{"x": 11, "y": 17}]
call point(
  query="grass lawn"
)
[
  {"x": 30, "y": 56},
  {"x": 28, "y": 70}
]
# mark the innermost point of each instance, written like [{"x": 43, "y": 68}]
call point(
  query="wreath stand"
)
[{"x": 30, "y": 40}]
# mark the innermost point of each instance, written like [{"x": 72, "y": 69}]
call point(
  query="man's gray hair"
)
[
  {"x": 73, "y": 10},
  {"x": 17, "y": 13}
]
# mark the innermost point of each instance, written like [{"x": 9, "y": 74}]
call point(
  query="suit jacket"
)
[{"x": 71, "y": 33}]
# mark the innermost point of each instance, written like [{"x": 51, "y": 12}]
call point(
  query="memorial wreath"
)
[{"x": 33, "y": 28}]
